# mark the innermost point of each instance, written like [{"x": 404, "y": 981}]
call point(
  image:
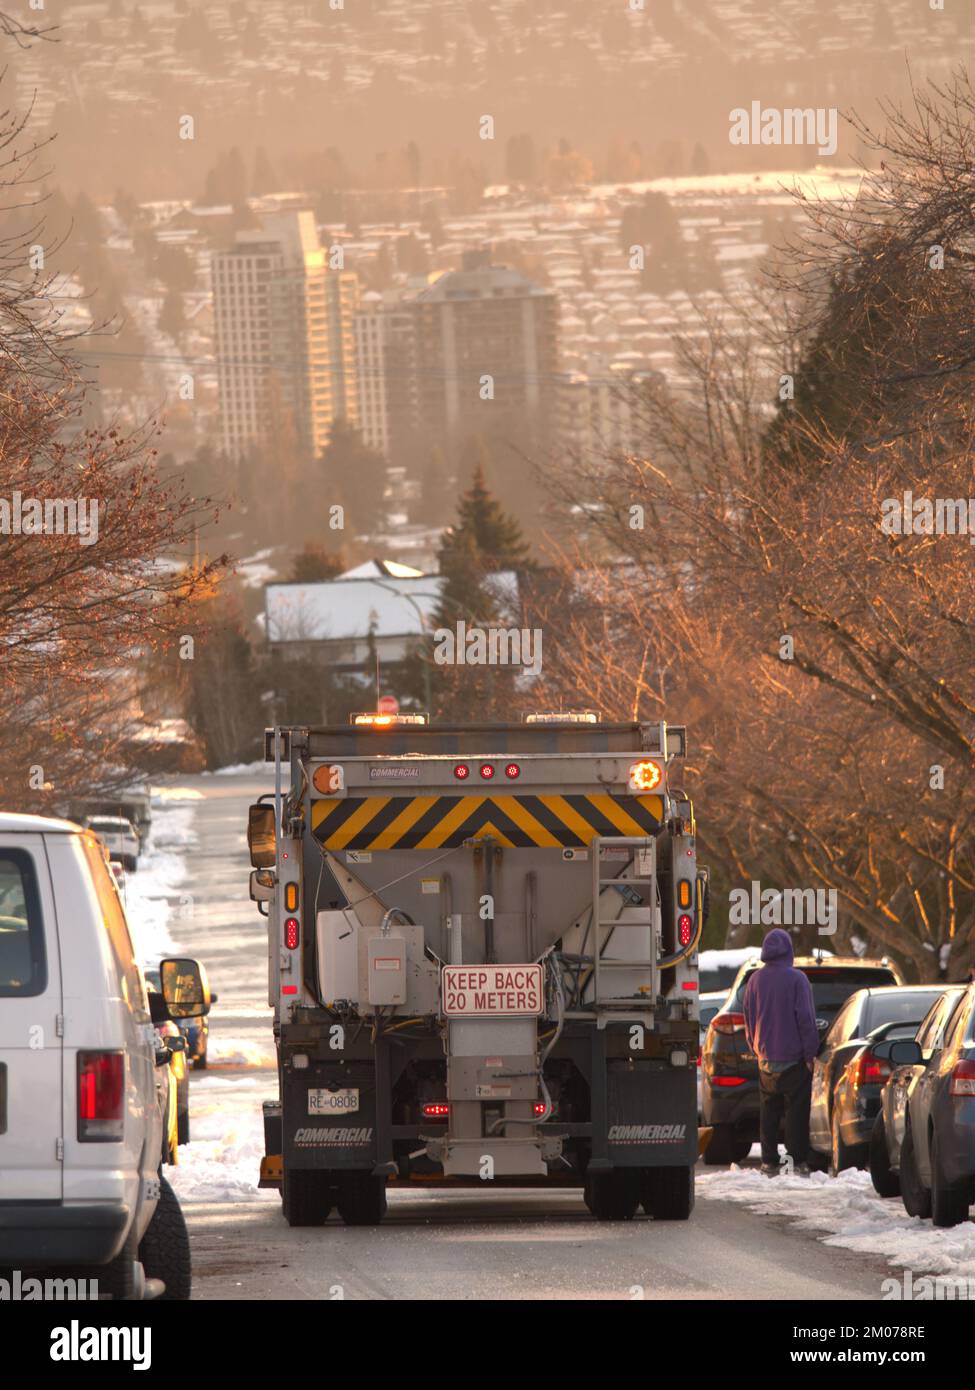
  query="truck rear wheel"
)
[
  {"x": 362, "y": 1199},
  {"x": 613, "y": 1196},
  {"x": 667, "y": 1194},
  {"x": 305, "y": 1197}
]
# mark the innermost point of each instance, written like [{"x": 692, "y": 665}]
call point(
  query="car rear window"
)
[
  {"x": 832, "y": 985},
  {"x": 23, "y": 962},
  {"x": 895, "y": 1007}
]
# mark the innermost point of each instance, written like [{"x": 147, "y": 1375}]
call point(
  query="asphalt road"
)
[{"x": 434, "y": 1244}]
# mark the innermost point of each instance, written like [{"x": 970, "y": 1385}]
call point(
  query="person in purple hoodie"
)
[{"x": 780, "y": 1028}]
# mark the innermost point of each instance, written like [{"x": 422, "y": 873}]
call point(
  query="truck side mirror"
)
[
  {"x": 261, "y": 885},
  {"x": 184, "y": 988},
  {"x": 260, "y": 836}
]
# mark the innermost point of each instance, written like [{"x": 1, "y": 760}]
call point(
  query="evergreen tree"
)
[{"x": 493, "y": 534}]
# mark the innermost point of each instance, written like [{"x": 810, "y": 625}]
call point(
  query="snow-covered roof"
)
[
  {"x": 381, "y": 569},
  {"x": 344, "y": 609}
]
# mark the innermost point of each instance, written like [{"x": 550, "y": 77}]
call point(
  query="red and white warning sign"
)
[{"x": 507, "y": 991}]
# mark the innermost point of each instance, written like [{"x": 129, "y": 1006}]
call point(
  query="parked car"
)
[
  {"x": 937, "y": 1157},
  {"x": 119, "y": 836},
  {"x": 848, "y": 1076},
  {"x": 887, "y": 1134},
  {"x": 170, "y": 1037},
  {"x": 81, "y": 1131},
  {"x": 195, "y": 1032},
  {"x": 709, "y": 1003},
  {"x": 730, "y": 1099}
]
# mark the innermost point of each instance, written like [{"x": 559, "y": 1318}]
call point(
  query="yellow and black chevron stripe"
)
[{"x": 442, "y": 822}]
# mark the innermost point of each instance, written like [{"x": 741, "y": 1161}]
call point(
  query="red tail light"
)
[
  {"x": 436, "y": 1110},
  {"x": 728, "y": 1023},
  {"x": 291, "y": 933},
  {"x": 727, "y": 1080},
  {"x": 685, "y": 929},
  {"x": 870, "y": 1069},
  {"x": 538, "y": 1108},
  {"x": 101, "y": 1093},
  {"x": 962, "y": 1080}
]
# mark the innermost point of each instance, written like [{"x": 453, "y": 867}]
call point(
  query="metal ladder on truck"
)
[{"x": 643, "y": 916}]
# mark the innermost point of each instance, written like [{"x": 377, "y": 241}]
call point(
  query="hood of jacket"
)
[{"x": 777, "y": 947}]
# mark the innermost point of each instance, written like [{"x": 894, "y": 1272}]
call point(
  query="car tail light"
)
[
  {"x": 870, "y": 1069},
  {"x": 726, "y": 1080},
  {"x": 101, "y": 1090},
  {"x": 728, "y": 1024},
  {"x": 291, "y": 933},
  {"x": 436, "y": 1110},
  {"x": 962, "y": 1080}
]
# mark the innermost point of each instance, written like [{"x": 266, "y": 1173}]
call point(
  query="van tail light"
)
[
  {"x": 962, "y": 1080},
  {"x": 870, "y": 1069},
  {"x": 101, "y": 1095},
  {"x": 728, "y": 1024}
]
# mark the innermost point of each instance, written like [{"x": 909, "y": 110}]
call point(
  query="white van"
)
[{"x": 80, "y": 1127}]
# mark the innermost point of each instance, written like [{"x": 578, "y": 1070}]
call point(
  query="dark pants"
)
[{"x": 789, "y": 1092}]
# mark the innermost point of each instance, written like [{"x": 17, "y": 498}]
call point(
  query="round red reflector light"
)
[
  {"x": 461, "y": 771},
  {"x": 487, "y": 771},
  {"x": 685, "y": 929},
  {"x": 512, "y": 770},
  {"x": 291, "y": 933}
]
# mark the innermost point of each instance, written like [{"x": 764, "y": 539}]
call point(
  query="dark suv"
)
[{"x": 729, "y": 1072}]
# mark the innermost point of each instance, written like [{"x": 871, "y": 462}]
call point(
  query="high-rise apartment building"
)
[{"x": 284, "y": 334}]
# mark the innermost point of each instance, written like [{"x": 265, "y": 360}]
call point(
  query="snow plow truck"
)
[{"x": 482, "y": 962}]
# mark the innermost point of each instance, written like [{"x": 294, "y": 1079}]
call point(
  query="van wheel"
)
[
  {"x": 305, "y": 1197},
  {"x": 121, "y": 1278},
  {"x": 885, "y": 1181},
  {"x": 165, "y": 1248},
  {"x": 362, "y": 1199},
  {"x": 613, "y": 1196},
  {"x": 726, "y": 1146},
  {"x": 916, "y": 1197},
  {"x": 949, "y": 1201},
  {"x": 667, "y": 1194}
]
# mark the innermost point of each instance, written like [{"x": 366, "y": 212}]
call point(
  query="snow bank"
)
[
  {"x": 223, "y": 1161},
  {"x": 152, "y": 894},
  {"x": 846, "y": 1212}
]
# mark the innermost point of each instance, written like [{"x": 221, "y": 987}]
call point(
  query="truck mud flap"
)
[
  {"x": 651, "y": 1115},
  {"x": 312, "y": 1139}
]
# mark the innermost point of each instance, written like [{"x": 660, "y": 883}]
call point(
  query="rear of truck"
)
[{"x": 482, "y": 962}]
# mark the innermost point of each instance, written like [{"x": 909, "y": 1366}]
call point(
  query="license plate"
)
[{"x": 333, "y": 1102}]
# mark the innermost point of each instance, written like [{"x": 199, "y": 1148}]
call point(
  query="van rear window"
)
[{"x": 23, "y": 963}]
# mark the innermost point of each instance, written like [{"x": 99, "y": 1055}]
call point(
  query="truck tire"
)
[
  {"x": 305, "y": 1197},
  {"x": 183, "y": 1126},
  {"x": 165, "y": 1248},
  {"x": 916, "y": 1197},
  {"x": 613, "y": 1196},
  {"x": 885, "y": 1181},
  {"x": 361, "y": 1199},
  {"x": 727, "y": 1146},
  {"x": 949, "y": 1201},
  {"x": 668, "y": 1193}
]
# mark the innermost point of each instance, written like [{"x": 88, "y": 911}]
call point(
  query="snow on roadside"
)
[
  {"x": 223, "y": 1160},
  {"x": 152, "y": 892},
  {"x": 846, "y": 1212}
]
